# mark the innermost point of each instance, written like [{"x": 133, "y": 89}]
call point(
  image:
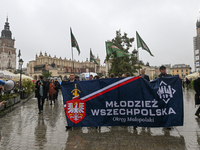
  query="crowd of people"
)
[{"x": 46, "y": 90}]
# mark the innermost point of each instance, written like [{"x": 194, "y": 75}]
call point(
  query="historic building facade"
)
[
  {"x": 61, "y": 67},
  {"x": 180, "y": 69},
  {"x": 196, "y": 43},
  {"x": 7, "y": 49}
]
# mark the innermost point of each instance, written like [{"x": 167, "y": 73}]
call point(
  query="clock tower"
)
[{"x": 7, "y": 49}]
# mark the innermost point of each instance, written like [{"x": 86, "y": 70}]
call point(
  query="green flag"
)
[
  {"x": 110, "y": 49},
  {"x": 74, "y": 42},
  {"x": 92, "y": 59},
  {"x": 141, "y": 43},
  {"x": 121, "y": 53}
]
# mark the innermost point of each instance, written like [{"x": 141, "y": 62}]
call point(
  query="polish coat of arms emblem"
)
[{"x": 75, "y": 108}]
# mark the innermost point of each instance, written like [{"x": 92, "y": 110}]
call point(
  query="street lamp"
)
[{"x": 20, "y": 68}]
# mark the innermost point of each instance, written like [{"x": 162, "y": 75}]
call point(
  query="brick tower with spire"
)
[{"x": 7, "y": 49}]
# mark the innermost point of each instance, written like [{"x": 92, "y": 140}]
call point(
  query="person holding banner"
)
[
  {"x": 144, "y": 75},
  {"x": 72, "y": 77},
  {"x": 163, "y": 72}
]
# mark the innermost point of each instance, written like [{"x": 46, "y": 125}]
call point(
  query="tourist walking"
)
[
  {"x": 52, "y": 91},
  {"x": 41, "y": 93}
]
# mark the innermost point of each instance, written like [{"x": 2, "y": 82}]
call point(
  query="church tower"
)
[{"x": 7, "y": 50}]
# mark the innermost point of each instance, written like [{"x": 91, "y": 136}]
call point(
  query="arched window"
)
[{"x": 9, "y": 53}]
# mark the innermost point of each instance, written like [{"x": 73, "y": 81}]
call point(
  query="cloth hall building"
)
[{"x": 61, "y": 67}]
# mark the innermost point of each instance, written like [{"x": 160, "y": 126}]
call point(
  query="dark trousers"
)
[
  {"x": 57, "y": 90},
  {"x": 198, "y": 111},
  {"x": 40, "y": 103}
]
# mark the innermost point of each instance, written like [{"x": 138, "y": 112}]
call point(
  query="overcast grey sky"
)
[{"x": 167, "y": 27}]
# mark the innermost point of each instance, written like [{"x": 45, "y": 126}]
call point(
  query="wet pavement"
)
[{"x": 25, "y": 129}]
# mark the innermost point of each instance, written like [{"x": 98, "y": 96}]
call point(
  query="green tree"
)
[
  {"x": 46, "y": 74},
  {"x": 120, "y": 65}
]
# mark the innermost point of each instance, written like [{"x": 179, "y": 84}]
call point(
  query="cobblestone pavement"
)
[{"x": 24, "y": 129}]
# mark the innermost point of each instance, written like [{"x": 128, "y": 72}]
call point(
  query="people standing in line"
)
[
  {"x": 163, "y": 72},
  {"x": 144, "y": 75},
  {"x": 91, "y": 77},
  {"x": 41, "y": 93},
  {"x": 77, "y": 78},
  {"x": 112, "y": 75},
  {"x": 57, "y": 84},
  {"x": 127, "y": 74},
  {"x": 96, "y": 77},
  {"x": 52, "y": 91},
  {"x": 123, "y": 75},
  {"x": 197, "y": 90},
  {"x": 47, "y": 89},
  {"x": 72, "y": 77}
]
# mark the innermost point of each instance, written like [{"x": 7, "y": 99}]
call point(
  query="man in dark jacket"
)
[
  {"x": 197, "y": 90},
  {"x": 144, "y": 75},
  {"x": 163, "y": 72},
  {"x": 41, "y": 93}
]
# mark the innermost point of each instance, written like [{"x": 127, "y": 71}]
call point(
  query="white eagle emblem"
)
[{"x": 76, "y": 113}]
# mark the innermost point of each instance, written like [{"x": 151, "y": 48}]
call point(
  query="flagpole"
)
[
  {"x": 89, "y": 69},
  {"x": 118, "y": 65},
  {"x": 108, "y": 68},
  {"x": 138, "y": 60},
  {"x": 72, "y": 61}
]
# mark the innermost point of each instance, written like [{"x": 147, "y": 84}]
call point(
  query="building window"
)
[
  {"x": 177, "y": 70},
  {"x": 181, "y": 70},
  {"x": 186, "y": 73},
  {"x": 186, "y": 70},
  {"x": 9, "y": 53},
  {"x": 172, "y": 70}
]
